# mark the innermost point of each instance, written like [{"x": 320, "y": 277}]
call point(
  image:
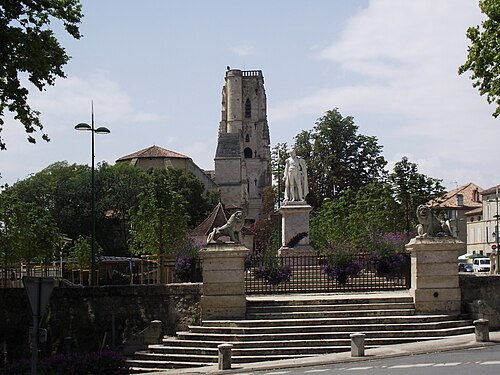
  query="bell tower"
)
[{"x": 243, "y": 156}]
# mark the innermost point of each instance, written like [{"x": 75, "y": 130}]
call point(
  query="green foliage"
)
[
  {"x": 279, "y": 154},
  {"x": 117, "y": 190},
  {"x": 192, "y": 191},
  {"x": 483, "y": 59},
  {"x": 29, "y": 47},
  {"x": 355, "y": 216},
  {"x": 338, "y": 158},
  {"x": 410, "y": 189},
  {"x": 82, "y": 252},
  {"x": 272, "y": 270},
  {"x": 27, "y": 232},
  {"x": 160, "y": 222},
  {"x": 342, "y": 262},
  {"x": 266, "y": 228}
]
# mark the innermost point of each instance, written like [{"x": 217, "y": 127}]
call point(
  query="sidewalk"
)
[{"x": 432, "y": 346}]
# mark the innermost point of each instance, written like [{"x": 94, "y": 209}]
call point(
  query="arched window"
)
[
  {"x": 247, "y": 138},
  {"x": 248, "y": 153},
  {"x": 248, "y": 109}
]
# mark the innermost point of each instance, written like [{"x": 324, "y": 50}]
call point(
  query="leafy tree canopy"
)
[
  {"x": 356, "y": 216},
  {"x": 411, "y": 188},
  {"x": 338, "y": 157},
  {"x": 29, "y": 48},
  {"x": 483, "y": 59},
  {"x": 160, "y": 222}
]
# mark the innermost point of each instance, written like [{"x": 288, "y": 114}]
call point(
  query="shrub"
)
[
  {"x": 94, "y": 363},
  {"x": 341, "y": 262}
]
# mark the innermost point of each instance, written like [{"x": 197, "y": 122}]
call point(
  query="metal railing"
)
[{"x": 307, "y": 275}]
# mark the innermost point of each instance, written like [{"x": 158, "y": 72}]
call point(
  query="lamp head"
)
[
  {"x": 83, "y": 126},
  {"x": 102, "y": 130}
]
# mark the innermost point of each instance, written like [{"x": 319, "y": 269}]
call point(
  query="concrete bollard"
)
[
  {"x": 482, "y": 330},
  {"x": 224, "y": 356},
  {"x": 357, "y": 344}
]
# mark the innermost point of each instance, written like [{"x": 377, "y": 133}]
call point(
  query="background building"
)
[
  {"x": 456, "y": 203},
  {"x": 483, "y": 225},
  {"x": 242, "y": 158},
  {"x": 157, "y": 157}
]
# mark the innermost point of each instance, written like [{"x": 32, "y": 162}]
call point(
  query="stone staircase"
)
[{"x": 283, "y": 327}]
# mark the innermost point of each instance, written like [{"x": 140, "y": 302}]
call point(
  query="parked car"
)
[
  {"x": 481, "y": 265},
  {"x": 465, "y": 267}
]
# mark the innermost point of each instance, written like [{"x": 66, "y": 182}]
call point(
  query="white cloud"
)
[
  {"x": 62, "y": 106},
  {"x": 403, "y": 57},
  {"x": 243, "y": 50}
]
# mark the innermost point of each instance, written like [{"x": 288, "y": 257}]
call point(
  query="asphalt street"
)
[{"x": 476, "y": 361}]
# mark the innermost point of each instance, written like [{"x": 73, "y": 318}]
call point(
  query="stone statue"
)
[
  {"x": 232, "y": 229},
  {"x": 296, "y": 186},
  {"x": 430, "y": 225}
]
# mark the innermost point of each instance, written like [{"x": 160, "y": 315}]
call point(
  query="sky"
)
[{"x": 155, "y": 70}]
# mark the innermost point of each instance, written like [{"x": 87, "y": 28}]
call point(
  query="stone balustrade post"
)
[
  {"x": 223, "y": 281},
  {"x": 434, "y": 274}
]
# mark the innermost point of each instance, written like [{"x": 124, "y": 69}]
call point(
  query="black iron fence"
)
[{"x": 310, "y": 274}]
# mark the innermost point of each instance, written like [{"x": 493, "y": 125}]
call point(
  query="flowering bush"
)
[
  {"x": 273, "y": 272},
  {"x": 341, "y": 263},
  {"x": 183, "y": 267},
  {"x": 387, "y": 255},
  {"x": 95, "y": 363}
]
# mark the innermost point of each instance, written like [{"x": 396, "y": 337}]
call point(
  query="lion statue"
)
[
  {"x": 429, "y": 224},
  {"x": 231, "y": 229}
]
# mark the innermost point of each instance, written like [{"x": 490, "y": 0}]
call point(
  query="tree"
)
[
  {"x": 483, "y": 59},
  {"x": 279, "y": 154},
  {"x": 411, "y": 189},
  {"x": 356, "y": 216},
  {"x": 160, "y": 222},
  {"x": 191, "y": 189},
  {"x": 81, "y": 252},
  {"x": 338, "y": 158},
  {"x": 29, "y": 47},
  {"x": 117, "y": 191},
  {"x": 27, "y": 232}
]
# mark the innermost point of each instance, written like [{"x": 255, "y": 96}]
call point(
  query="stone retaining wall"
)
[
  {"x": 481, "y": 297},
  {"x": 86, "y": 314}
]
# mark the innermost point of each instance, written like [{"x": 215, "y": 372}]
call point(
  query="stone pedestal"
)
[
  {"x": 295, "y": 220},
  {"x": 434, "y": 274},
  {"x": 223, "y": 281}
]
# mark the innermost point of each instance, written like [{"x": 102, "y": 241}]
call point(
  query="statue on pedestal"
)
[
  {"x": 430, "y": 225},
  {"x": 296, "y": 186},
  {"x": 231, "y": 229}
]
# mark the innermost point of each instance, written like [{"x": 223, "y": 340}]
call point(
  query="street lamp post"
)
[{"x": 93, "y": 130}]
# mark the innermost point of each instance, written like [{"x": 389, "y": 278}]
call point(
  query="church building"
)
[{"x": 243, "y": 156}]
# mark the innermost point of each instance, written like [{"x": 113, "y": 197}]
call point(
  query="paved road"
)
[{"x": 477, "y": 361}]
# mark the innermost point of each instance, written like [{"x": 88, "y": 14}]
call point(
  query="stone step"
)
[
  {"x": 242, "y": 347},
  {"x": 287, "y": 326},
  {"x": 300, "y": 334},
  {"x": 330, "y": 328},
  {"x": 152, "y": 365},
  {"x": 202, "y": 360},
  {"x": 253, "y": 309},
  {"x": 354, "y": 321},
  {"x": 291, "y": 300},
  {"x": 327, "y": 314}
]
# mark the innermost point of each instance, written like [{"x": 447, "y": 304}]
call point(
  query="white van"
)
[{"x": 481, "y": 265}]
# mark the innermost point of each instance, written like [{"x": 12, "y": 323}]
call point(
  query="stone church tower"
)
[{"x": 243, "y": 157}]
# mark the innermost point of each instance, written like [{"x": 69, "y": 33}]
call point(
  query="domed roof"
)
[{"x": 153, "y": 152}]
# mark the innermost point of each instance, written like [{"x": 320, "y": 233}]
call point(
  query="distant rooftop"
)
[{"x": 153, "y": 152}]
